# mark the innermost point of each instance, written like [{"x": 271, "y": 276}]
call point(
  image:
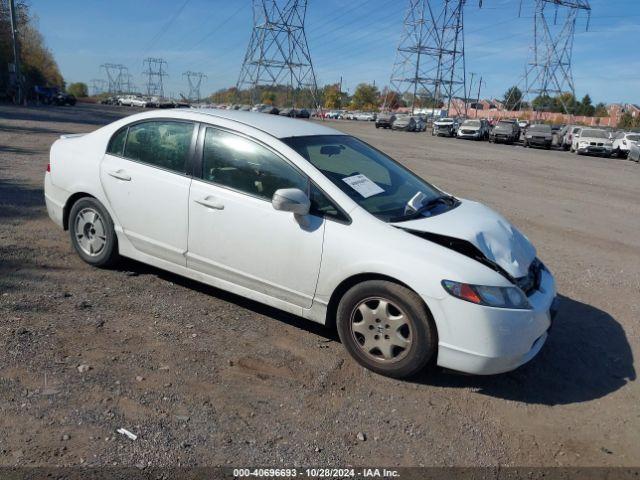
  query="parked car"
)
[
  {"x": 270, "y": 208},
  {"x": 445, "y": 126},
  {"x": 109, "y": 100},
  {"x": 139, "y": 102},
  {"x": 538, "y": 135},
  {"x": 270, "y": 109},
  {"x": 125, "y": 100},
  {"x": 622, "y": 143},
  {"x": 634, "y": 151},
  {"x": 366, "y": 117},
  {"x": 505, "y": 131},
  {"x": 385, "y": 120},
  {"x": 63, "y": 98},
  {"x": 421, "y": 123},
  {"x": 404, "y": 122},
  {"x": 565, "y": 136},
  {"x": 592, "y": 141},
  {"x": 288, "y": 112},
  {"x": 475, "y": 129},
  {"x": 302, "y": 113}
]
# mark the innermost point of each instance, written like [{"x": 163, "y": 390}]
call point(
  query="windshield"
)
[
  {"x": 540, "y": 128},
  {"x": 373, "y": 180},
  {"x": 446, "y": 120},
  {"x": 505, "y": 124},
  {"x": 633, "y": 138},
  {"x": 594, "y": 133},
  {"x": 471, "y": 123}
]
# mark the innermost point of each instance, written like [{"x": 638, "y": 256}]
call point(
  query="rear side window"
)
[
  {"x": 116, "y": 145},
  {"x": 163, "y": 144}
]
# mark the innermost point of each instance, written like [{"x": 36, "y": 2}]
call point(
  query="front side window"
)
[
  {"x": 163, "y": 144},
  {"x": 373, "y": 180},
  {"x": 233, "y": 161}
]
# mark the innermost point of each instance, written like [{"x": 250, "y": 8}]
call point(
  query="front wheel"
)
[
  {"x": 386, "y": 328},
  {"x": 92, "y": 233}
]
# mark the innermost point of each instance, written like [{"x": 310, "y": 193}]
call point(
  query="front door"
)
[
  {"x": 236, "y": 235},
  {"x": 143, "y": 176}
]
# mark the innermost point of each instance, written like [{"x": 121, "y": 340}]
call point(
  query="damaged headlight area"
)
[{"x": 499, "y": 297}]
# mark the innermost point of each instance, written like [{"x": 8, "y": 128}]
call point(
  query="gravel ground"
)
[{"x": 203, "y": 377}]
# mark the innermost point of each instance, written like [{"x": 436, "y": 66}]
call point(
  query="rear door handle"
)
[
  {"x": 120, "y": 175},
  {"x": 211, "y": 202}
]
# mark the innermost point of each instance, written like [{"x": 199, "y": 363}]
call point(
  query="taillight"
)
[{"x": 48, "y": 167}]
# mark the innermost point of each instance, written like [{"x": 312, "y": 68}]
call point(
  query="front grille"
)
[
  {"x": 531, "y": 282},
  {"x": 468, "y": 132}
]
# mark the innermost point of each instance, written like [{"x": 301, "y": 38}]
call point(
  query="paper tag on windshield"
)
[{"x": 363, "y": 185}]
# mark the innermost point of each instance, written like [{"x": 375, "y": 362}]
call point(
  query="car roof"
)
[{"x": 274, "y": 125}]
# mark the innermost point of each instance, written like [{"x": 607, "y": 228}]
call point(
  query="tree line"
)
[
  {"x": 567, "y": 102},
  {"x": 37, "y": 62}
]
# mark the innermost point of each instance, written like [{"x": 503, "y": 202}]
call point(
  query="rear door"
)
[{"x": 144, "y": 175}]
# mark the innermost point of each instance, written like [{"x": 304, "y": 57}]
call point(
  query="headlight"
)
[
  {"x": 500, "y": 297},
  {"x": 583, "y": 144}
]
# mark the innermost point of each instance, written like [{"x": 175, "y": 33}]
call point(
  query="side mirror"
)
[{"x": 291, "y": 200}]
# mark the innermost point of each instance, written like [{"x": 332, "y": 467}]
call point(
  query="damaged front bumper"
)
[{"x": 485, "y": 340}]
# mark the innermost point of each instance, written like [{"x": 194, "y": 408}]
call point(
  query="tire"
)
[
  {"x": 92, "y": 233},
  {"x": 408, "y": 340}
]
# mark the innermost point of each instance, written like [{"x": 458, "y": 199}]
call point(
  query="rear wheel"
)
[
  {"x": 386, "y": 328},
  {"x": 92, "y": 233}
]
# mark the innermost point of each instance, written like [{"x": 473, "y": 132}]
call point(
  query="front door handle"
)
[
  {"x": 120, "y": 175},
  {"x": 211, "y": 202}
]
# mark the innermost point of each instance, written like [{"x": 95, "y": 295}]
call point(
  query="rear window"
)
[{"x": 540, "y": 128}]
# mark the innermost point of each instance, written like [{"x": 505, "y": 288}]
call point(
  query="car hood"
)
[
  {"x": 443, "y": 124},
  {"x": 503, "y": 128},
  {"x": 469, "y": 127},
  {"x": 595, "y": 139},
  {"x": 488, "y": 231}
]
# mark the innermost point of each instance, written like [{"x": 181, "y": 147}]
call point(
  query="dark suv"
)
[
  {"x": 505, "y": 131},
  {"x": 385, "y": 120}
]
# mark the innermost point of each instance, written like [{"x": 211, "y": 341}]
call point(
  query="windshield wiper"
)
[{"x": 441, "y": 199}]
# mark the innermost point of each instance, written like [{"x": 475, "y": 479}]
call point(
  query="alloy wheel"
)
[
  {"x": 381, "y": 330},
  {"x": 90, "y": 231}
]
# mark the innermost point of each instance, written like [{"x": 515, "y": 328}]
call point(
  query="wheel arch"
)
[
  {"x": 69, "y": 203},
  {"x": 347, "y": 283}
]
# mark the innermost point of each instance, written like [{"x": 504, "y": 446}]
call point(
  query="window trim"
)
[
  {"x": 188, "y": 162},
  {"x": 198, "y": 165}
]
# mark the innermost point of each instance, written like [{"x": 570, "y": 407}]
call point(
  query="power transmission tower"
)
[
  {"x": 155, "y": 72},
  {"x": 98, "y": 86},
  {"x": 117, "y": 77},
  {"x": 549, "y": 73},
  {"x": 195, "y": 81},
  {"x": 278, "y": 53},
  {"x": 429, "y": 61}
]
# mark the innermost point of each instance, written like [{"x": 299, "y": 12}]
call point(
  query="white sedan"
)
[{"x": 312, "y": 221}]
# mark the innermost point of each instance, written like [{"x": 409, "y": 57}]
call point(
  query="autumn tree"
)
[
  {"x": 365, "y": 97},
  {"x": 38, "y": 64},
  {"x": 78, "y": 89}
]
